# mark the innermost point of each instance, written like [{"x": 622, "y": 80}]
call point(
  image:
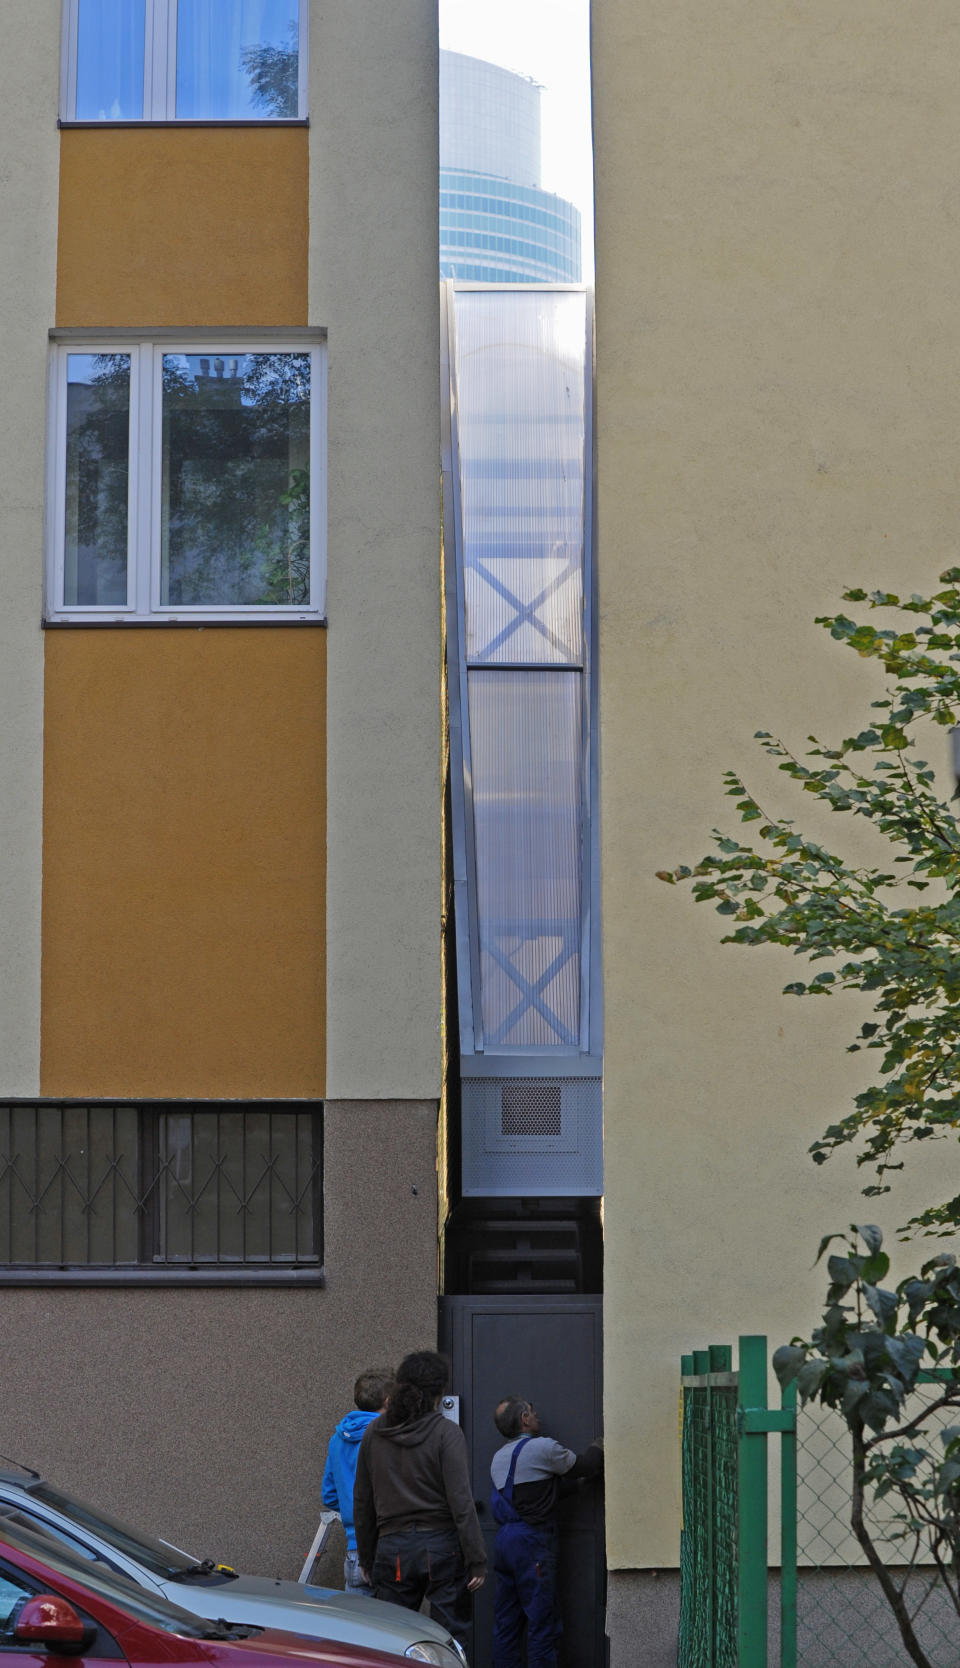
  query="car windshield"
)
[
  {"x": 149, "y": 1608},
  {"x": 156, "y": 1556}
]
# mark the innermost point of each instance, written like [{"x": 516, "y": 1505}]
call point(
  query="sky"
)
[{"x": 549, "y": 40}]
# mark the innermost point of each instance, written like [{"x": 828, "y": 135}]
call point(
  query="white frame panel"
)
[
  {"x": 160, "y": 68},
  {"x": 143, "y": 504}
]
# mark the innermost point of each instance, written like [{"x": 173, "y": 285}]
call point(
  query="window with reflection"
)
[
  {"x": 184, "y": 60},
  {"x": 187, "y": 482}
]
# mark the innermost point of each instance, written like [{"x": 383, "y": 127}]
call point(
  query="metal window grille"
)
[{"x": 184, "y": 1186}]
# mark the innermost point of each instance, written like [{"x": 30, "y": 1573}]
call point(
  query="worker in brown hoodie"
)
[{"x": 417, "y": 1530}]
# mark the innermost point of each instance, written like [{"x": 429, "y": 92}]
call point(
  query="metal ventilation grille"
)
[
  {"x": 532, "y": 1135},
  {"x": 531, "y": 1109}
]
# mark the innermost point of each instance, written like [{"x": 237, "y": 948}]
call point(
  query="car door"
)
[{"x": 15, "y": 1589}]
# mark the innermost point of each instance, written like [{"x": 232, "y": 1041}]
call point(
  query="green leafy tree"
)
[
  {"x": 868, "y": 1360},
  {"x": 891, "y": 931}
]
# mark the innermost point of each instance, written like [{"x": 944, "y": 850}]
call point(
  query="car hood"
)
[
  {"x": 283, "y": 1650},
  {"x": 318, "y": 1612}
]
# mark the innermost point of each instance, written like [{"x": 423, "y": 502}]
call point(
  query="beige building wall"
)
[
  {"x": 205, "y": 1413},
  {"x": 373, "y": 286},
  {"x": 778, "y": 237},
  {"x": 29, "y": 69}
]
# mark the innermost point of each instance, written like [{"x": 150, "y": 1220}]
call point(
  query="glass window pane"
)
[
  {"x": 13, "y": 1589},
  {"x": 237, "y": 59},
  {"x": 525, "y": 741},
  {"x": 521, "y": 413},
  {"x": 235, "y": 496},
  {"x": 98, "y": 453},
  {"x": 110, "y": 60}
]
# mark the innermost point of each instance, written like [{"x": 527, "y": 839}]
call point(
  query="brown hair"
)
[{"x": 370, "y": 1390}]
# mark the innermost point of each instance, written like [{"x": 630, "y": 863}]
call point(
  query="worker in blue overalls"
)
[{"x": 526, "y": 1474}]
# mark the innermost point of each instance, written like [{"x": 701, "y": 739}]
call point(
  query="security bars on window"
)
[
  {"x": 184, "y": 60},
  {"x": 173, "y": 1187}
]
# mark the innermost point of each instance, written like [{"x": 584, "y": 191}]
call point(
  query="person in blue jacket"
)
[{"x": 370, "y": 1395}]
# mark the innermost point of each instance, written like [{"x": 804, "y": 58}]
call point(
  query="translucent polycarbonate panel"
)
[
  {"x": 520, "y": 367},
  {"x": 97, "y": 479},
  {"x": 110, "y": 37},
  {"x": 237, "y": 59},
  {"x": 235, "y": 487},
  {"x": 525, "y": 740}
]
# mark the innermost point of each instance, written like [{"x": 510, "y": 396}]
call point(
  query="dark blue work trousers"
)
[{"x": 525, "y": 1595}]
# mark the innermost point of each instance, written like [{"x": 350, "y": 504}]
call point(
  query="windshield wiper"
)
[{"x": 230, "y": 1630}]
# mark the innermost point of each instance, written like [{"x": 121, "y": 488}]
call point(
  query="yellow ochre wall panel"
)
[
  {"x": 183, "y": 226},
  {"x": 184, "y": 863}
]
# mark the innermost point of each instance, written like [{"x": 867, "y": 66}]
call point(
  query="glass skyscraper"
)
[{"x": 497, "y": 224}]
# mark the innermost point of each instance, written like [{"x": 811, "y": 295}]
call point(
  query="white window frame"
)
[
  {"x": 145, "y": 475},
  {"x": 160, "y": 69}
]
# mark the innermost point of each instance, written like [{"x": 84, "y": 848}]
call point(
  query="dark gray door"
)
[{"x": 548, "y": 1349}]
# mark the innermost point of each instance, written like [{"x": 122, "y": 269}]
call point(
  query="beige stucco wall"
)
[
  {"x": 28, "y": 212},
  {"x": 373, "y": 285},
  {"x": 205, "y": 1415},
  {"x": 778, "y": 236}
]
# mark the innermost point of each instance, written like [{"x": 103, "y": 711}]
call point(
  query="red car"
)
[{"x": 53, "y": 1605}]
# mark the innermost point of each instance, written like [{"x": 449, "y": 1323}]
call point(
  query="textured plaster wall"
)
[
  {"x": 205, "y": 1415},
  {"x": 778, "y": 237},
  {"x": 184, "y": 863},
  {"x": 373, "y": 285},
  {"x": 28, "y": 212},
  {"x": 183, "y": 226}
]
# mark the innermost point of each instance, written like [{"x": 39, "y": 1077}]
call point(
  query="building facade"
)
[
  {"x": 497, "y": 224},
  {"x": 777, "y": 348},
  {"x": 220, "y": 875}
]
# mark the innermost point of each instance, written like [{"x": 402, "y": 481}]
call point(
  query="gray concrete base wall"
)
[
  {"x": 204, "y": 1415},
  {"x": 843, "y": 1620},
  {"x": 643, "y": 1611}
]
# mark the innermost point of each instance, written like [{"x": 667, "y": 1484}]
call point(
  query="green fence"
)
[
  {"x": 822, "y": 1608},
  {"x": 723, "y": 1548}
]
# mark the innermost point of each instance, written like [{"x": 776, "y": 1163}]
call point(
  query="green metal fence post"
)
[
  {"x": 752, "y": 1481},
  {"x": 687, "y": 1532},
  {"x": 788, "y": 1532},
  {"x": 720, "y": 1360},
  {"x": 701, "y": 1366}
]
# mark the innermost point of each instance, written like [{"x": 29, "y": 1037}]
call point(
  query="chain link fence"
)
[{"x": 843, "y": 1620}]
